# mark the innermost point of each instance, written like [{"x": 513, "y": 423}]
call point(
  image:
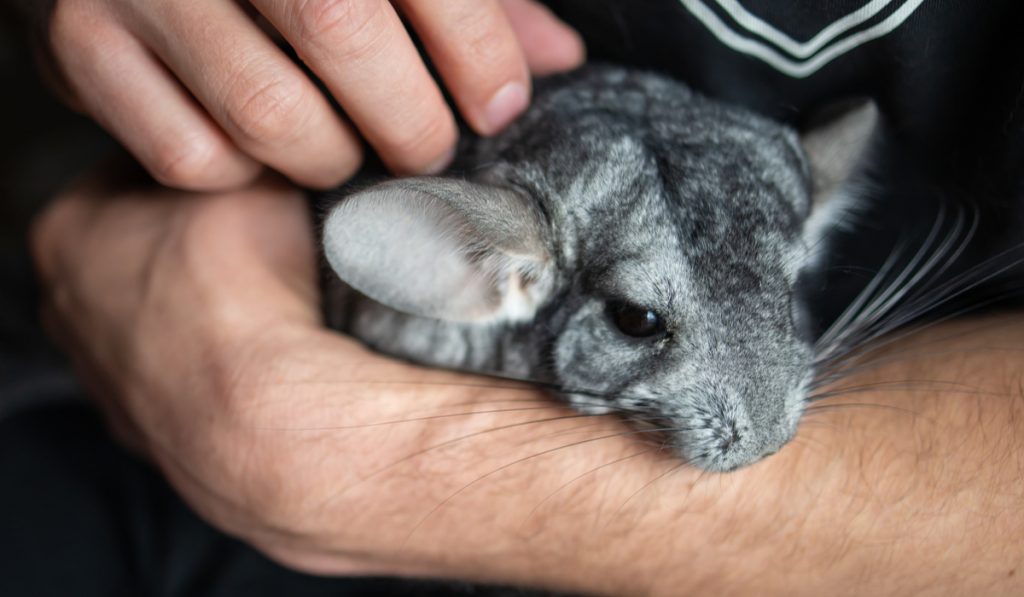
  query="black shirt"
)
[{"x": 948, "y": 75}]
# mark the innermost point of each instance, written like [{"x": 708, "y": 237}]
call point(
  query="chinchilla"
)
[{"x": 627, "y": 243}]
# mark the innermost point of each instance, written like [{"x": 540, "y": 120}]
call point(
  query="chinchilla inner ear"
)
[
  {"x": 837, "y": 144},
  {"x": 442, "y": 248}
]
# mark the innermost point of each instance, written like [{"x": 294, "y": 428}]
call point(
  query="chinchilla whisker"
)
[
  {"x": 484, "y": 386},
  {"x": 880, "y": 340},
  {"x": 956, "y": 287},
  {"x": 480, "y": 385},
  {"x": 445, "y": 444},
  {"x": 910, "y": 275},
  {"x": 913, "y": 311},
  {"x": 812, "y": 442},
  {"x": 395, "y": 382},
  {"x": 564, "y": 432},
  {"x": 560, "y": 388},
  {"x": 911, "y": 388},
  {"x": 580, "y": 477},
  {"x": 412, "y": 419},
  {"x": 875, "y": 293},
  {"x": 897, "y": 382},
  {"x": 947, "y": 256},
  {"x": 819, "y": 408},
  {"x": 673, "y": 429},
  {"x": 588, "y": 428},
  {"x": 861, "y": 322},
  {"x": 860, "y": 389},
  {"x": 647, "y": 485},
  {"x": 858, "y": 353},
  {"x": 830, "y": 337},
  {"x": 904, "y": 356},
  {"x": 507, "y": 466},
  {"x": 901, "y": 385},
  {"x": 815, "y": 422},
  {"x": 645, "y": 420},
  {"x": 969, "y": 285},
  {"x": 849, "y": 269}
]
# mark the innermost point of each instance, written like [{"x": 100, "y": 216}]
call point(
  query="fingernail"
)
[
  {"x": 438, "y": 165},
  {"x": 505, "y": 105}
]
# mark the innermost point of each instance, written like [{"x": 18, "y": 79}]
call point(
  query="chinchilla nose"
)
[
  {"x": 726, "y": 427},
  {"x": 734, "y": 443}
]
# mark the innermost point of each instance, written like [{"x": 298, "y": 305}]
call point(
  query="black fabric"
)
[{"x": 949, "y": 77}]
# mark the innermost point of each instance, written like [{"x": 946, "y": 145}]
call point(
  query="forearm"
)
[{"x": 916, "y": 490}]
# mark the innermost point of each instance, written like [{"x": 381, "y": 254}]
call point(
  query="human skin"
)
[
  {"x": 194, "y": 320},
  {"x": 204, "y": 98}
]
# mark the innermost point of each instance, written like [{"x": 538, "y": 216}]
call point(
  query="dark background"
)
[{"x": 43, "y": 146}]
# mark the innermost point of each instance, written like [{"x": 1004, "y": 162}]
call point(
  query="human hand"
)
[
  {"x": 204, "y": 98},
  {"x": 195, "y": 320}
]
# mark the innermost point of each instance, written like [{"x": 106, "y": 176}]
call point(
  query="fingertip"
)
[
  {"x": 504, "y": 106},
  {"x": 559, "y": 52},
  {"x": 201, "y": 165},
  {"x": 441, "y": 163},
  {"x": 425, "y": 146},
  {"x": 341, "y": 168},
  {"x": 549, "y": 44}
]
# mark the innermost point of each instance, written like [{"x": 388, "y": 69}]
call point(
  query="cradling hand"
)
[{"x": 194, "y": 320}]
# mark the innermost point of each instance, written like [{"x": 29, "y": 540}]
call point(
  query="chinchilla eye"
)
[{"x": 635, "y": 321}]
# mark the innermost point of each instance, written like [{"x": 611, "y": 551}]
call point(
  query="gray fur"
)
[{"x": 615, "y": 185}]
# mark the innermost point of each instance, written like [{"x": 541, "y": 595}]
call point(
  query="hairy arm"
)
[
  {"x": 908, "y": 481},
  {"x": 195, "y": 320}
]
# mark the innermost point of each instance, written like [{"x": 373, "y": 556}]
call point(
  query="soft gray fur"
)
[{"x": 615, "y": 187}]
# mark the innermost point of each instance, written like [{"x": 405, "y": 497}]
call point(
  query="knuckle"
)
[
  {"x": 265, "y": 113},
  {"x": 338, "y": 19},
  {"x": 342, "y": 167},
  {"x": 184, "y": 164},
  {"x": 479, "y": 29},
  {"x": 417, "y": 143}
]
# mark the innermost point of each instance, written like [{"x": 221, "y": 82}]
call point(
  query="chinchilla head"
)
[{"x": 628, "y": 242}]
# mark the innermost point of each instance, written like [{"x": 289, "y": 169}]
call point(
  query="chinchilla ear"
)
[
  {"x": 836, "y": 146},
  {"x": 442, "y": 248}
]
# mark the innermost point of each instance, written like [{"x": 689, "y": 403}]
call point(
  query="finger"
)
[
  {"x": 267, "y": 227},
  {"x": 362, "y": 52},
  {"x": 132, "y": 95},
  {"x": 475, "y": 49},
  {"x": 260, "y": 98},
  {"x": 549, "y": 44}
]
